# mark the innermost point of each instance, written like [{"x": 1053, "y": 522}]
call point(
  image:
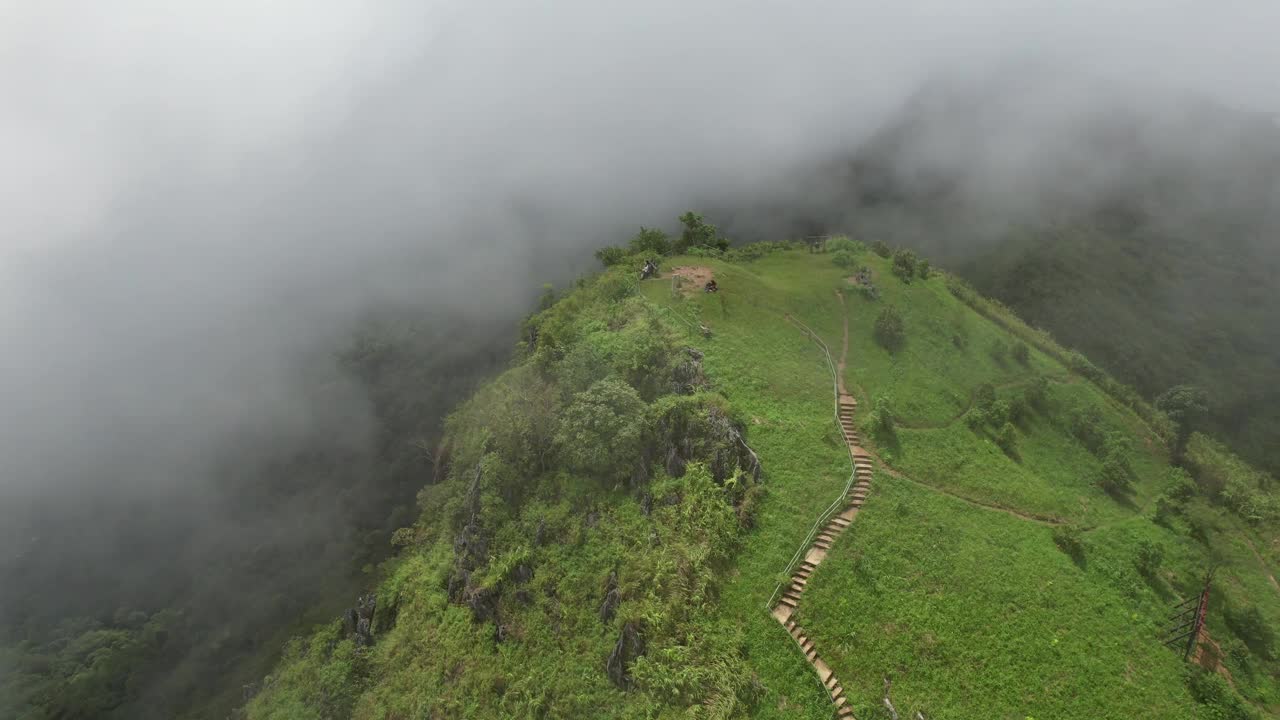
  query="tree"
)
[
  {"x": 985, "y": 396},
  {"x": 1148, "y": 558},
  {"x": 881, "y": 420},
  {"x": 1185, "y": 406},
  {"x": 1007, "y": 439},
  {"x": 880, "y": 248},
  {"x": 1022, "y": 353},
  {"x": 904, "y": 265},
  {"x": 698, "y": 232},
  {"x": 650, "y": 241},
  {"x": 1037, "y": 393},
  {"x": 922, "y": 268},
  {"x": 601, "y": 431},
  {"x": 890, "y": 330},
  {"x": 611, "y": 255}
]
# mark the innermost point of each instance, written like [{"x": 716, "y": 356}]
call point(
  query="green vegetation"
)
[{"x": 601, "y": 546}]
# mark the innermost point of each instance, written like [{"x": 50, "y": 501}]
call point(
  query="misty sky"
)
[{"x": 196, "y": 195}]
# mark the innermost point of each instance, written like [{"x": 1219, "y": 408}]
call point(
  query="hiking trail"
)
[{"x": 833, "y": 522}]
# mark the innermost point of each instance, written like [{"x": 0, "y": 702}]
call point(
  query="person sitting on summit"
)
[{"x": 711, "y": 286}]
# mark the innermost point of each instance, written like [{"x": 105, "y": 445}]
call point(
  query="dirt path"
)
[
  {"x": 1029, "y": 517},
  {"x": 973, "y": 398}
]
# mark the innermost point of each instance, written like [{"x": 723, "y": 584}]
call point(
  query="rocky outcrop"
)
[
  {"x": 611, "y": 599},
  {"x": 630, "y": 646},
  {"x": 358, "y": 621}
]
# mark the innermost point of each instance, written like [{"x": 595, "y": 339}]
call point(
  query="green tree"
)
[
  {"x": 881, "y": 420},
  {"x": 1007, "y": 439},
  {"x": 1022, "y": 353},
  {"x": 1148, "y": 558},
  {"x": 650, "y": 241},
  {"x": 611, "y": 255},
  {"x": 904, "y": 265},
  {"x": 1185, "y": 406},
  {"x": 698, "y": 232},
  {"x": 880, "y": 248},
  {"x": 602, "y": 429},
  {"x": 890, "y": 330},
  {"x": 1037, "y": 393},
  {"x": 985, "y": 396}
]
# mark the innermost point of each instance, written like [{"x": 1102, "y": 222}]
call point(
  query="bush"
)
[
  {"x": 904, "y": 265},
  {"x": 1070, "y": 540},
  {"x": 890, "y": 330},
  {"x": 1000, "y": 413},
  {"x": 1007, "y": 439},
  {"x": 922, "y": 268},
  {"x": 976, "y": 418},
  {"x": 1019, "y": 410},
  {"x": 844, "y": 259},
  {"x": 880, "y": 248},
  {"x": 650, "y": 241},
  {"x": 1022, "y": 353},
  {"x": 1000, "y": 351},
  {"x": 985, "y": 396},
  {"x": 611, "y": 255},
  {"x": 881, "y": 420},
  {"x": 1085, "y": 424},
  {"x": 1250, "y": 626},
  {"x": 1037, "y": 393},
  {"x": 841, "y": 243},
  {"x": 1148, "y": 558}
]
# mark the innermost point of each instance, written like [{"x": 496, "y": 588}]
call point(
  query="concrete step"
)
[
  {"x": 787, "y": 601},
  {"x": 844, "y": 712}
]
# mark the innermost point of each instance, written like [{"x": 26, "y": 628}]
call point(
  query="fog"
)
[{"x": 199, "y": 200}]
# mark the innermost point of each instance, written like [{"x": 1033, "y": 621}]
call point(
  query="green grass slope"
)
[{"x": 989, "y": 575}]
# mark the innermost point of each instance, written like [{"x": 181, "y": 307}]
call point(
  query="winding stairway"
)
[{"x": 817, "y": 552}]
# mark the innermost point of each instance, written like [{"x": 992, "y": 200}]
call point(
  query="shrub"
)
[
  {"x": 904, "y": 265},
  {"x": 844, "y": 259},
  {"x": 1022, "y": 353},
  {"x": 999, "y": 413},
  {"x": 1000, "y": 351},
  {"x": 1250, "y": 626},
  {"x": 890, "y": 330},
  {"x": 1181, "y": 487},
  {"x": 985, "y": 396},
  {"x": 650, "y": 241},
  {"x": 1037, "y": 393},
  {"x": 611, "y": 255},
  {"x": 1070, "y": 540},
  {"x": 841, "y": 243},
  {"x": 1019, "y": 410},
  {"x": 1114, "y": 476},
  {"x": 1148, "y": 558},
  {"x": 976, "y": 418},
  {"x": 922, "y": 268},
  {"x": 881, "y": 420},
  {"x": 1007, "y": 439},
  {"x": 1085, "y": 424},
  {"x": 880, "y": 248}
]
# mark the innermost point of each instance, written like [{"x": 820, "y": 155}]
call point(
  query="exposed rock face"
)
[
  {"x": 687, "y": 375},
  {"x": 611, "y": 599},
  {"x": 630, "y": 646},
  {"x": 358, "y": 621}
]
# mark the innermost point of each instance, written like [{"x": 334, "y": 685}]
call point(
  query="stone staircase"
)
[{"x": 817, "y": 552}]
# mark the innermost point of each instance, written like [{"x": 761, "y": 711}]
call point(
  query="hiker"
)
[
  {"x": 650, "y": 270},
  {"x": 711, "y": 286}
]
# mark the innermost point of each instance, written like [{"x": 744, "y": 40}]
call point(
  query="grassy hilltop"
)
[{"x": 603, "y": 548}]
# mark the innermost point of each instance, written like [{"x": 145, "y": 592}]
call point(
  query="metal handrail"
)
[{"x": 834, "y": 507}]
